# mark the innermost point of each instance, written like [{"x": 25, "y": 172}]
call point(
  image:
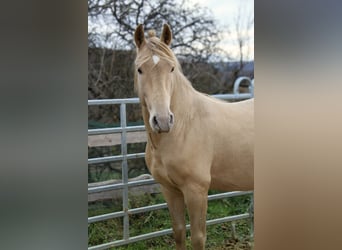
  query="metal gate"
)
[{"x": 125, "y": 184}]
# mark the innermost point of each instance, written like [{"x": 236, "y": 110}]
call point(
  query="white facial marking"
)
[{"x": 155, "y": 59}]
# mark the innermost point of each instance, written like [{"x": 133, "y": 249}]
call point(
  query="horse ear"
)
[
  {"x": 139, "y": 36},
  {"x": 166, "y": 35}
]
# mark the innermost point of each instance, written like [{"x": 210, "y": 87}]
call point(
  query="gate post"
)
[{"x": 124, "y": 171}]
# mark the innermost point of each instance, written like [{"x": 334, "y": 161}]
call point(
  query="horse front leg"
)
[
  {"x": 196, "y": 198},
  {"x": 176, "y": 205}
]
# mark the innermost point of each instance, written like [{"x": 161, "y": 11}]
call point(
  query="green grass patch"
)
[{"x": 219, "y": 236}]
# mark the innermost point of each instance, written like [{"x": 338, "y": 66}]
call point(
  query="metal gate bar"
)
[{"x": 107, "y": 216}]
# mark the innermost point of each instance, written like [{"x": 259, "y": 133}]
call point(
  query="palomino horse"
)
[{"x": 195, "y": 142}]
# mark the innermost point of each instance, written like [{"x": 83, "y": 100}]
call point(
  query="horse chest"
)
[{"x": 163, "y": 173}]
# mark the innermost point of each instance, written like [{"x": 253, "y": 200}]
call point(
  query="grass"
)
[{"x": 219, "y": 236}]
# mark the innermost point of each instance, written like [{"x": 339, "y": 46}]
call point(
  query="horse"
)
[{"x": 195, "y": 142}]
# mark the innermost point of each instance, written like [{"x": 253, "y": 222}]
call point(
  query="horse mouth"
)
[
  {"x": 163, "y": 131},
  {"x": 160, "y": 130}
]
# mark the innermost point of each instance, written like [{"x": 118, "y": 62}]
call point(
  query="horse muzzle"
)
[{"x": 162, "y": 123}]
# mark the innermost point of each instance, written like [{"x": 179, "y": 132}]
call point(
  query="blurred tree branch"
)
[{"x": 195, "y": 31}]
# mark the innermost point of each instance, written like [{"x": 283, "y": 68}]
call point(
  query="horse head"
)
[{"x": 155, "y": 66}]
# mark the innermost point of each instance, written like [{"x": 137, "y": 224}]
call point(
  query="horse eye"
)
[
  {"x": 173, "y": 68},
  {"x": 139, "y": 70}
]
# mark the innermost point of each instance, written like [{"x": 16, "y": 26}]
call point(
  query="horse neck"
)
[{"x": 182, "y": 99}]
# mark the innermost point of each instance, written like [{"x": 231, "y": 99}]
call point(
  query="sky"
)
[{"x": 225, "y": 11}]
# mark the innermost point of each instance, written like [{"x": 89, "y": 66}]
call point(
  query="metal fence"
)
[{"x": 125, "y": 184}]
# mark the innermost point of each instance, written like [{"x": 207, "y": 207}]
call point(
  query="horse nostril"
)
[
  {"x": 155, "y": 120},
  {"x": 171, "y": 118}
]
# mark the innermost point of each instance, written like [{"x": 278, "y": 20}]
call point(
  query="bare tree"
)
[
  {"x": 243, "y": 23},
  {"x": 194, "y": 29}
]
